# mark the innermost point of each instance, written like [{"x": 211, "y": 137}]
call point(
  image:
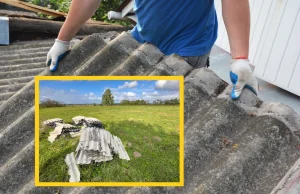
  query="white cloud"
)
[
  {"x": 155, "y": 93},
  {"x": 129, "y": 94},
  {"x": 68, "y": 97},
  {"x": 151, "y": 96},
  {"x": 119, "y": 96},
  {"x": 72, "y": 90},
  {"x": 128, "y": 85},
  {"x": 94, "y": 98},
  {"x": 91, "y": 96},
  {"x": 167, "y": 85}
]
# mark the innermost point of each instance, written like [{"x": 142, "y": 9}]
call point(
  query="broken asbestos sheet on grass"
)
[
  {"x": 87, "y": 121},
  {"x": 74, "y": 131},
  {"x": 73, "y": 169},
  {"x": 97, "y": 144},
  {"x": 62, "y": 128},
  {"x": 52, "y": 122}
]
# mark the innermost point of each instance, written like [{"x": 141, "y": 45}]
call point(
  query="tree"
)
[
  {"x": 107, "y": 98},
  {"x": 100, "y": 15}
]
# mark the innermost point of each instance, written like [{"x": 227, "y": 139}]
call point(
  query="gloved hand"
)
[
  {"x": 58, "y": 50},
  {"x": 241, "y": 76}
]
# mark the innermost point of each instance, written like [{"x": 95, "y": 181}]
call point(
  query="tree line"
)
[
  {"x": 51, "y": 103},
  {"x": 108, "y": 99},
  {"x": 173, "y": 101}
]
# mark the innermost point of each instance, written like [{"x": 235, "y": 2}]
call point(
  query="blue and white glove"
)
[
  {"x": 241, "y": 76},
  {"x": 58, "y": 50}
]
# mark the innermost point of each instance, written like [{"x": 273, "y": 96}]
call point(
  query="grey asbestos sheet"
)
[{"x": 73, "y": 169}]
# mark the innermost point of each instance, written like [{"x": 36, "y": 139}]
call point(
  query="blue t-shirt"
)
[{"x": 184, "y": 27}]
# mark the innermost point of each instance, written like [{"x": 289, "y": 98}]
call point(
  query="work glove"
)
[
  {"x": 58, "y": 50},
  {"x": 241, "y": 76}
]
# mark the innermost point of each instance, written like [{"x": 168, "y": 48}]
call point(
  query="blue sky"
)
[{"x": 89, "y": 92}]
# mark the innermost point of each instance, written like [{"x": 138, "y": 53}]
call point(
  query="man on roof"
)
[{"x": 186, "y": 28}]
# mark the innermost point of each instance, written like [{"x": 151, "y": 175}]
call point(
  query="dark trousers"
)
[{"x": 198, "y": 61}]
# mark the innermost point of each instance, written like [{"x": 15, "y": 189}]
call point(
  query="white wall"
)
[{"x": 274, "y": 41}]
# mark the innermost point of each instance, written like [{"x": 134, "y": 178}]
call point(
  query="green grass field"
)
[{"x": 153, "y": 131}]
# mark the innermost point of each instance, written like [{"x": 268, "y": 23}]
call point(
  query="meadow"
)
[{"x": 150, "y": 134}]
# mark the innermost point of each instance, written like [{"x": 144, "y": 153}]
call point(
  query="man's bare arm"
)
[
  {"x": 80, "y": 11},
  {"x": 236, "y": 14}
]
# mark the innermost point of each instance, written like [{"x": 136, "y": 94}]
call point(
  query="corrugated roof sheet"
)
[
  {"x": 73, "y": 169},
  {"x": 243, "y": 146}
]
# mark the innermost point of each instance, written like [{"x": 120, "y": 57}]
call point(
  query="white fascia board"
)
[{"x": 128, "y": 8}]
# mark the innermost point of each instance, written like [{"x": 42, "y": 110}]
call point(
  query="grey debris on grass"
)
[
  {"x": 95, "y": 144},
  {"x": 119, "y": 149},
  {"x": 98, "y": 145},
  {"x": 52, "y": 122},
  {"x": 93, "y": 122},
  {"x": 68, "y": 127},
  {"x": 78, "y": 120},
  {"x": 75, "y": 134},
  {"x": 73, "y": 169},
  {"x": 54, "y": 134},
  {"x": 74, "y": 131},
  {"x": 61, "y": 128},
  {"x": 88, "y": 121}
]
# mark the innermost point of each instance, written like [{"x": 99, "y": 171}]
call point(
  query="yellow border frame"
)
[{"x": 110, "y": 184}]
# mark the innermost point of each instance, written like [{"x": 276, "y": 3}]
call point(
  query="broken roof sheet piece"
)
[
  {"x": 76, "y": 134},
  {"x": 55, "y": 133},
  {"x": 119, "y": 149},
  {"x": 61, "y": 128},
  {"x": 92, "y": 122},
  {"x": 73, "y": 169},
  {"x": 98, "y": 145},
  {"x": 259, "y": 150},
  {"x": 88, "y": 121},
  {"x": 68, "y": 127},
  {"x": 53, "y": 122},
  {"x": 78, "y": 120}
]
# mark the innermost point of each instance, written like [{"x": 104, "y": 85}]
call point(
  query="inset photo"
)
[{"x": 109, "y": 131}]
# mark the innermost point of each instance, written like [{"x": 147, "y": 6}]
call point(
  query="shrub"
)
[
  {"x": 51, "y": 103},
  {"x": 100, "y": 15}
]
